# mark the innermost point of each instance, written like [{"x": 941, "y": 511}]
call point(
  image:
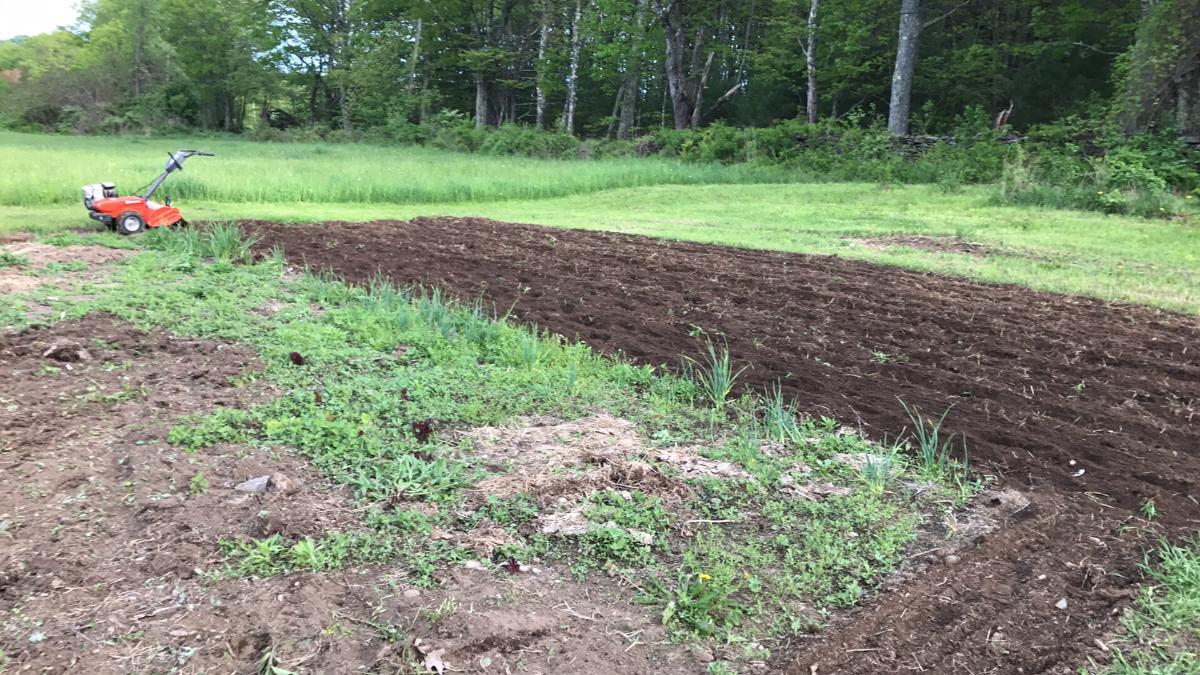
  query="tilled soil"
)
[{"x": 1092, "y": 405}]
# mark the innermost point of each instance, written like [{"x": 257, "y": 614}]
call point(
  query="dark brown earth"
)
[
  {"x": 1091, "y": 407},
  {"x": 103, "y": 541}
]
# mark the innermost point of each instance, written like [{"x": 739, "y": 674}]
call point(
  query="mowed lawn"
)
[{"x": 1152, "y": 262}]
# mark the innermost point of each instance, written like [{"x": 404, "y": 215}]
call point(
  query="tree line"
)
[{"x": 612, "y": 68}]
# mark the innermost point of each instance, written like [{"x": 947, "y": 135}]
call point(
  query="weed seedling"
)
[
  {"x": 198, "y": 485},
  {"x": 1149, "y": 510},
  {"x": 268, "y": 663},
  {"x": 447, "y": 609}
]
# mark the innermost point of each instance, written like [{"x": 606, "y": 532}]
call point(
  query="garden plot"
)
[
  {"x": 213, "y": 464},
  {"x": 1088, "y": 407}
]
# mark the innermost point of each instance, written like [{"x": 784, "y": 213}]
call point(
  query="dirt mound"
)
[{"x": 1093, "y": 406}]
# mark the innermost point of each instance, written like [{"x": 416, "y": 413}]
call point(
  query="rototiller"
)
[{"x": 133, "y": 213}]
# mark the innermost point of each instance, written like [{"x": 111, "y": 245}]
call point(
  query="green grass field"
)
[{"x": 1116, "y": 258}]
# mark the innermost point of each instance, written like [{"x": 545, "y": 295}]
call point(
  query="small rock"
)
[
  {"x": 1061, "y": 604},
  {"x": 474, "y": 565},
  {"x": 254, "y": 485},
  {"x": 563, "y": 523},
  {"x": 283, "y": 484},
  {"x": 56, "y": 583},
  {"x": 412, "y": 593},
  {"x": 67, "y": 352},
  {"x": 181, "y": 632},
  {"x": 951, "y": 560},
  {"x": 643, "y": 538}
]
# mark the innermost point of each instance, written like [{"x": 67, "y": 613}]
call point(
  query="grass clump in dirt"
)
[
  {"x": 9, "y": 259},
  {"x": 736, "y": 520},
  {"x": 1162, "y": 634}
]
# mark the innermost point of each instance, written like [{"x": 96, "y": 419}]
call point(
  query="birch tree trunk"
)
[
  {"x": 482, "y": 104},
  {"x": 633, "y": 76},
  {"x": 413, "y": 59},
  {"x": 543, "y": 42},
  {"x": 573, "y": 77},
  {"x": 481, "y": 101},
  {"x": 906, "y": 65},
  {"x": 810, "y": 63}
]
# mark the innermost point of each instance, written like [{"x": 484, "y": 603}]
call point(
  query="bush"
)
[
  {"x": 715, "y": 143},
  {"x": 1120, "y": 183},
  {"x": 517, "y": 139}
]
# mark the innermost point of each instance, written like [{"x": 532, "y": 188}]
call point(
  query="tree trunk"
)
[
  {"x": 698, "y": 106},
  {"x": 612, "y": 120},
  {"x": 633, "y": 76},
  {"x": 543, "y": 42},
  {"x": 139, "y": 55},
  {"x": 681, "y": 103},
  {"x": 413, "y": 59},
  {"x": 810, "y": 64},
  {"x": 344, "y": 107},
  {"x": 573, "y": 77},
  {"x": 481, "y": 101},
  {"x": 906, "y": 65}
]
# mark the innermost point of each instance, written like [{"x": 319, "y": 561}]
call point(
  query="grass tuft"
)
[{"x": 714, "y": 375}]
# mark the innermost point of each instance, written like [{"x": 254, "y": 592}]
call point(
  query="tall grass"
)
[{"x": 38, "y": 170}]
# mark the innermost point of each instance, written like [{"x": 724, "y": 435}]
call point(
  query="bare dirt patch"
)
[
  {"x": 562, "y": 462},
  {"x": 927, "y": 243},
  {"x": 41, "y": 256},
  {"x": 1089, "y": 407}
]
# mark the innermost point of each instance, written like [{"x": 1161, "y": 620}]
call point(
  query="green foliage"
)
[
  {"x": 226, "y": 425},
  {"x": 625, "y": 529},
  {"x": 508, "y": 512},
  {"x": 1161, "y": 633}
]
